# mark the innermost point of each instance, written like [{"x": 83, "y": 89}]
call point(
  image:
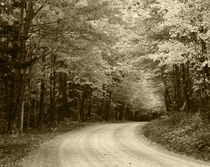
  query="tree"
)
[{"x": 182, "y": 38}]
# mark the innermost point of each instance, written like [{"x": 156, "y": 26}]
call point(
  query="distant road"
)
[{"x": 106, "y": 145}]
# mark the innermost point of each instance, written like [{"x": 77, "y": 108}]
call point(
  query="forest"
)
[
  {"x": 73, "y": 59},
  {"x": 101, "y": 60}
]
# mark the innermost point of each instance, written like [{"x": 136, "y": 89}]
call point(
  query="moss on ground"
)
[{"x": 181, "y": 133}]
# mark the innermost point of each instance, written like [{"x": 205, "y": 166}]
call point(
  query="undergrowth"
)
[
  {"x": 182, "y": 133},
  {"x": 14, "y": 148}
]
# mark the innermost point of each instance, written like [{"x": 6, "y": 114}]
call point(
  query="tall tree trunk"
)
[
  {"x": 12, "y": 107},
  {"x": 175, "y": 87},
  {"x": 108, "y": 106},
  {"x": 65, "y": 97},
  {"x": 19, "y": 55},
  {"x": 167, "y": 97},
  {"x": 82, "y": 115},
  {"x": 53, "y": 114},
  {"x": 6, "y": 107},
  {"x": 124, "y": 111},
  {"x": 26, "y": 16},
  {"x": 41, "y": 105},
  {"x": 178, "y": 85},
  {"x": 185, "y": 87},
  {"x": 33, "y": 113},
  {"x": 205, "y": 100},
  {"x": 77, "y": 110},
  {"x": 22, "y": 116},
  {"x": 28, "y": 116},
  {"x": 63, "y": 91},
  {"x": 101, "y": 109},
  {"x": 90, "y": 104}
]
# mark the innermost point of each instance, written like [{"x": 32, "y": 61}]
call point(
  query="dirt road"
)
[{"x": 106, "y": 145}]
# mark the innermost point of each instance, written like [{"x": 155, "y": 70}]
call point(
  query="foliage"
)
[
  {"x": 103, "y": 60},
  {"x": 67, "y": 59},
  {"x": 186, "y": 134},
  {"x": 74, "y": 58},
  {"x": 181, "y": 41}
]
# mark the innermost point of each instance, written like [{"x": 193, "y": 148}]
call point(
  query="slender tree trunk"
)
[
  {"x": 77, "y": 110},
  {"x": 185, "y": 86},
  {"x": 22, "y": 116},
  {"x": 41, "y": 105},
  {"x": 90, "y": 104},
  {"x": 82, "y": 106},
  {"x": 178, "y": 83},
  {"x": 33, "y": 113},
  {"x": 6, "y": 108},
  {"x": 12, "y": 108},
  {"x": 124, "y": 111},
  {"x": 175, "y": 87},
  {"x": 205, "y": 99},
  {"x": 19, "y": 56},
  {"x": 168, "y": 101},
  {"x": 63, "y": 91},
  {"x": 108, "y": 106},
  {"x": 101, "y": 109},
  {"x": 26, "y": 16},
  {"x": 65, "y": 97},
  {"x": 53, "y": 113},
  {"x": 28, "y": 117},
  {"x": 21, "y": 59}
]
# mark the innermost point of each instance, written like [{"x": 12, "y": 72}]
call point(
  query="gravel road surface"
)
[{"x": 106, "y": 145}]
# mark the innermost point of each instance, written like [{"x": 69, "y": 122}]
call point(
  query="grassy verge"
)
[
  {"x": 14, "y": 148},
  {"x": 181, "y": 133}
]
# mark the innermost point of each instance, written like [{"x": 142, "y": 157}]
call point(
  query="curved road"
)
[{"x": 106, "y": 145}]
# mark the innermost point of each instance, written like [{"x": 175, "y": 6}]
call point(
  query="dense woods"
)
[
  {"x": 179, "y": 31},
  {"x": 61, "y": 59},
  {"x": 101, "y": 60},
  {"x": 182, "y": 53},
  {"x": 65, "y": 63}
]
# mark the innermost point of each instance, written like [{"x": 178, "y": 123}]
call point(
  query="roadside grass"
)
[
  {"x": 181, "y": 133},
  {"x": 14, "y": 148}
]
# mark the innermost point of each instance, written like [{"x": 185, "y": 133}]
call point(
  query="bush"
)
[{"x": 184, "y": 133}]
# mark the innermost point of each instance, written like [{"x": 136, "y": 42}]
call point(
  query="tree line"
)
[
  {"x": 102, "y": 60},
  {"x": 60, "y": 60},
  {"x": 180, "y": 37}
]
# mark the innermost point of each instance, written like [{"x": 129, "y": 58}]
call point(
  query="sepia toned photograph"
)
[{"x": 104, "y": 83}]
